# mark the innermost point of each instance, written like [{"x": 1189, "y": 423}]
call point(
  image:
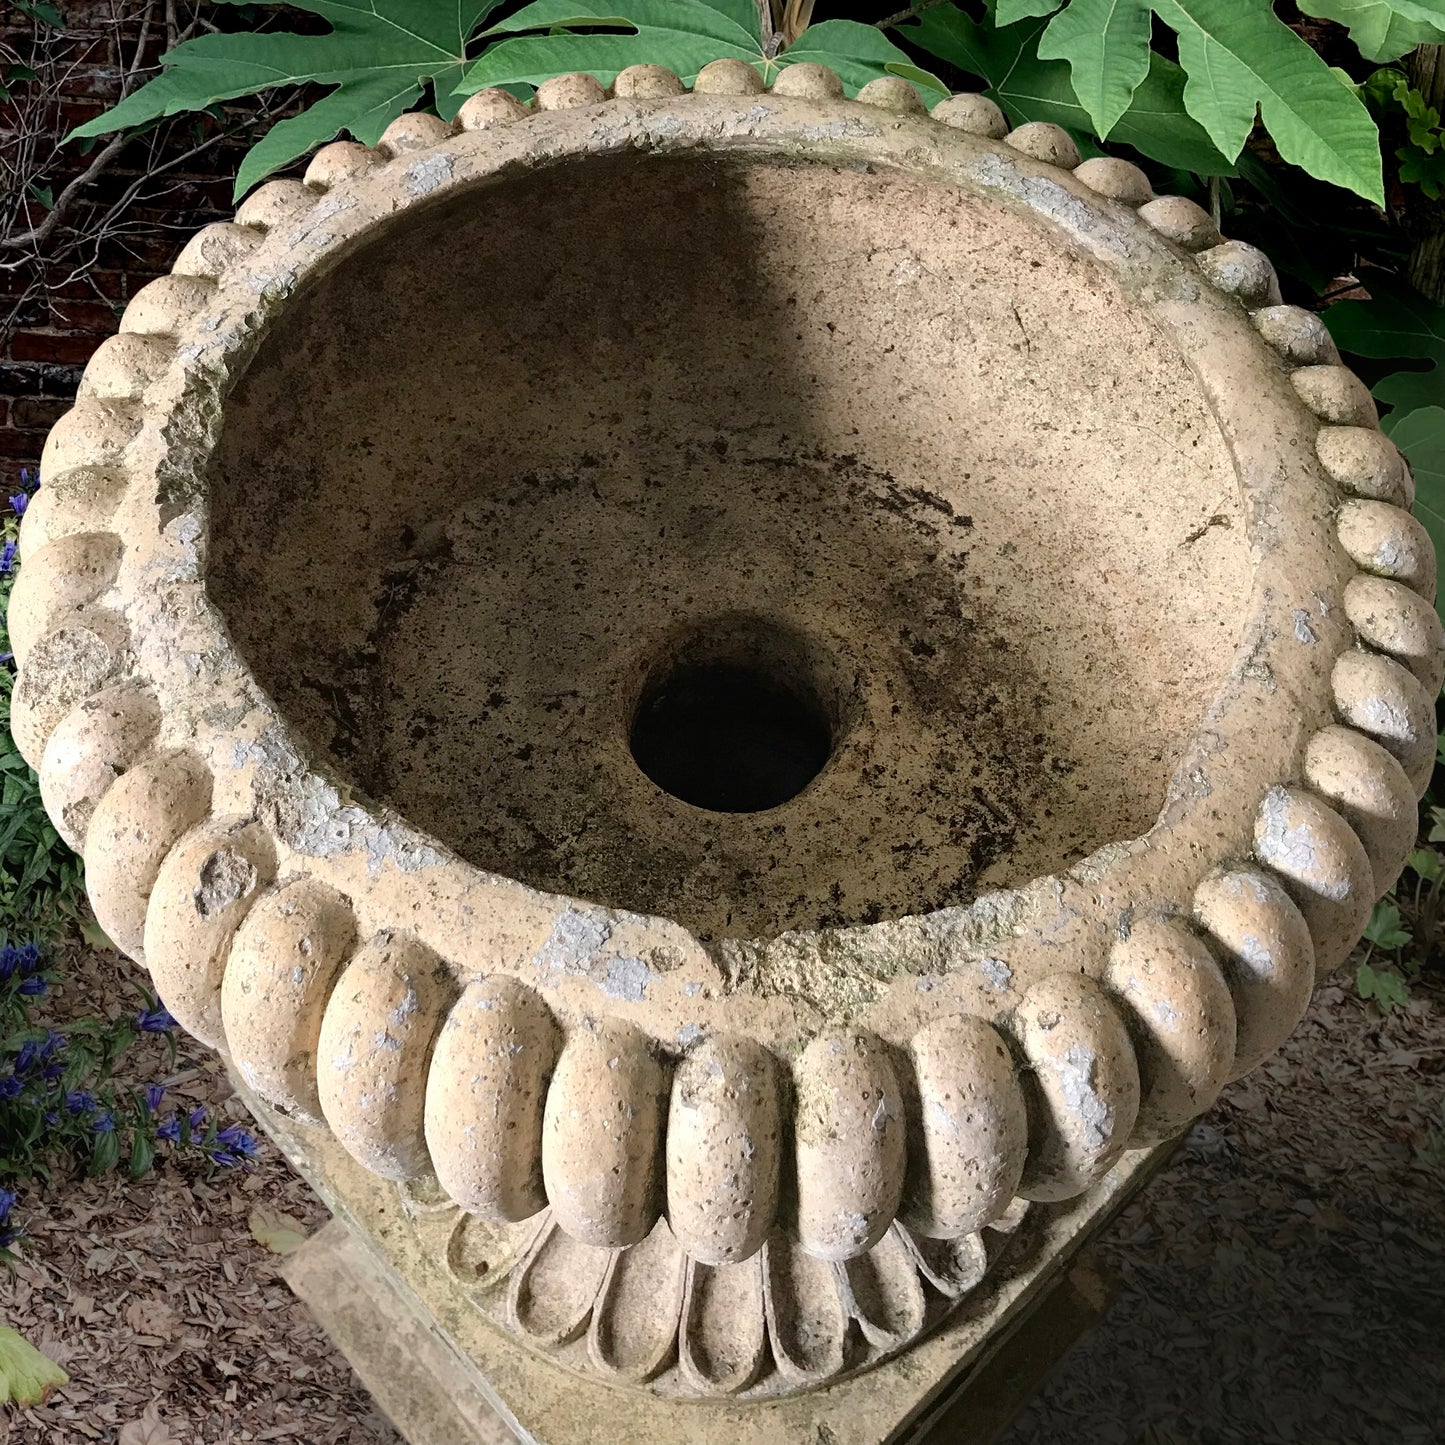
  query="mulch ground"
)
[{"x": 1282, "y": 1281}]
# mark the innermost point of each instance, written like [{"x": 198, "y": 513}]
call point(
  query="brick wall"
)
[{"x": 52, "y": 318}]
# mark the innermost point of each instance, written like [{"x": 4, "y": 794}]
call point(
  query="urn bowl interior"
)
[{"x": 761, "y": 544}]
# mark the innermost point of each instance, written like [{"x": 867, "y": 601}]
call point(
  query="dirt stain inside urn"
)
[{"x": 910, "y": 588}]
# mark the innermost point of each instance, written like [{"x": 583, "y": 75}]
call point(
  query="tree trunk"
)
[{"x": 1426, "y": 267}]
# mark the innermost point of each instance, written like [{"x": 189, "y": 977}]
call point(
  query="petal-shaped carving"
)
[
  {"x": 951, "y": 1266},
  {"x": 723, "y": 1337},
  {"x": 554, "y": 1286},
  {"x": 807, "y": 1319},
  {"x": 482, "y": 1254},
  {"x": 635, "y": 1321},
  {"x": 884, "y": 1293},
  {"x": 423, "y": 1196}
]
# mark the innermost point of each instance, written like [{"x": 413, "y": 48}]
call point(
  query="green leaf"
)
[
  {"x": 26, "y": 1376},
  {"x": 859, "y": 53},
  {"x": 1008, "y": 11},
  {"x": 379, "y": 54},
  {"x": 95, "y": 935},
  {"x": 1239, "y": 57},
  {"x": 1106, "y": 43},
  {"x": 142, "y": 1155},
  {"x": 1386, "y": 987},
  {"x": 1396, "y": 322},
  {"x": 1424, "y": 169},
  {"x": 1420, "y": 434},
  {"x": 683, "y": 35},
  {"x": 48, "y": 15},
  {"x": 106, "y": 1153},
  {"x": 1384, "y": 29},
  {"x": 1384, "y": 929},
  {"x": 1028, "y": 88},
  {"x": 1426, "y": 864}
]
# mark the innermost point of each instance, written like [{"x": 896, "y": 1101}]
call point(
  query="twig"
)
[
  {"x": 913, "y": 11},
  {"x": 38, "y": 235}
]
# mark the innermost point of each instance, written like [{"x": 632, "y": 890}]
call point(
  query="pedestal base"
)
[
  {"x": 377, "y": 1279},
  {"x": 434, "y": 1397}
]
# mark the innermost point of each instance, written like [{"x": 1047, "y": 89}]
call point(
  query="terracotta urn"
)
[{"x": 731, "y": 706}]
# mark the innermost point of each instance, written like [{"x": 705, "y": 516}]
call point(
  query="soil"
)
[{"x": 1282, "y": 1281}]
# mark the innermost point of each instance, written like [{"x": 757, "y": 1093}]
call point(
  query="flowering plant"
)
[{"x": 59, "y": 1099}]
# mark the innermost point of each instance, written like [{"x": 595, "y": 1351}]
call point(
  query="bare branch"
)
[{"x": 38, "y": 235}]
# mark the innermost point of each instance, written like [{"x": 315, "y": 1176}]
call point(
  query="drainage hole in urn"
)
[{"x": 729, "y": 737}]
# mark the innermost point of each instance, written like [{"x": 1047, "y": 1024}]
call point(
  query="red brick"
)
[
  {"x": 37, "y": 378},
  {"x": 32, "y": 413},
  {"x": 93, "y": 316},
  {"x": 52, "y": 346},
  {"x": 22, "y": 447}
]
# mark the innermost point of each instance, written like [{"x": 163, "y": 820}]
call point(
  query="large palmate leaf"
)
[
  {"x": 1384, "y": 29},
  {"x": 380, "y": 55},
  {"x": 1155, "y": 122},
  {"x": 1241, "y": 61},
  {"x": 1006, "y": 12},
  {"x": 1420, "y": 434},
  {"x": 1106, "y": 43},
  {"x": 683, "y": 35},
  {"x": 1241, "y": 58},
  {"x": 1396, "y": 322}
]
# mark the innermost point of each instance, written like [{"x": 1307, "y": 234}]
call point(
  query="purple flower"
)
[
  {"x": 28, "y": 1056},
  {"x": 28, "y": 479},
  {"x": 53, "y": 1044},
  {"x": 155, "y": 1021},
  {"x": 52, "y": 1072},
  {"x": 7, "y": 1203},
  {"x": 10, "y": 1087},
  {"x": 19, "y": 502},
  {"x": 103, "y": 1123},
  {"x": 7, "y": 557},
  {"x": 80, "y": 1101},
  {"x": 169, "y": 1130},
  {"x": 237, "y": 1140},
  {"x": 29, "y": 958},
  {"x": 32, "y": 987},
  {"x": 153, "y": 1096},
  {"x": 197, "y": 1117},
  {"x": 9, "y": 962}
]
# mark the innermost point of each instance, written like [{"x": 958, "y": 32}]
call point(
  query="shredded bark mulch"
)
[{"x": 1282, "y": 1281}]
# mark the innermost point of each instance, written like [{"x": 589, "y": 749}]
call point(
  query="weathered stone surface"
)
[
  {"x": 1043, "y": 550},
  {"x": 1263, "y": 946}
]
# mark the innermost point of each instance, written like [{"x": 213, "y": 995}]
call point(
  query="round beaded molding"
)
[{"x": 537, "y": 1053}]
